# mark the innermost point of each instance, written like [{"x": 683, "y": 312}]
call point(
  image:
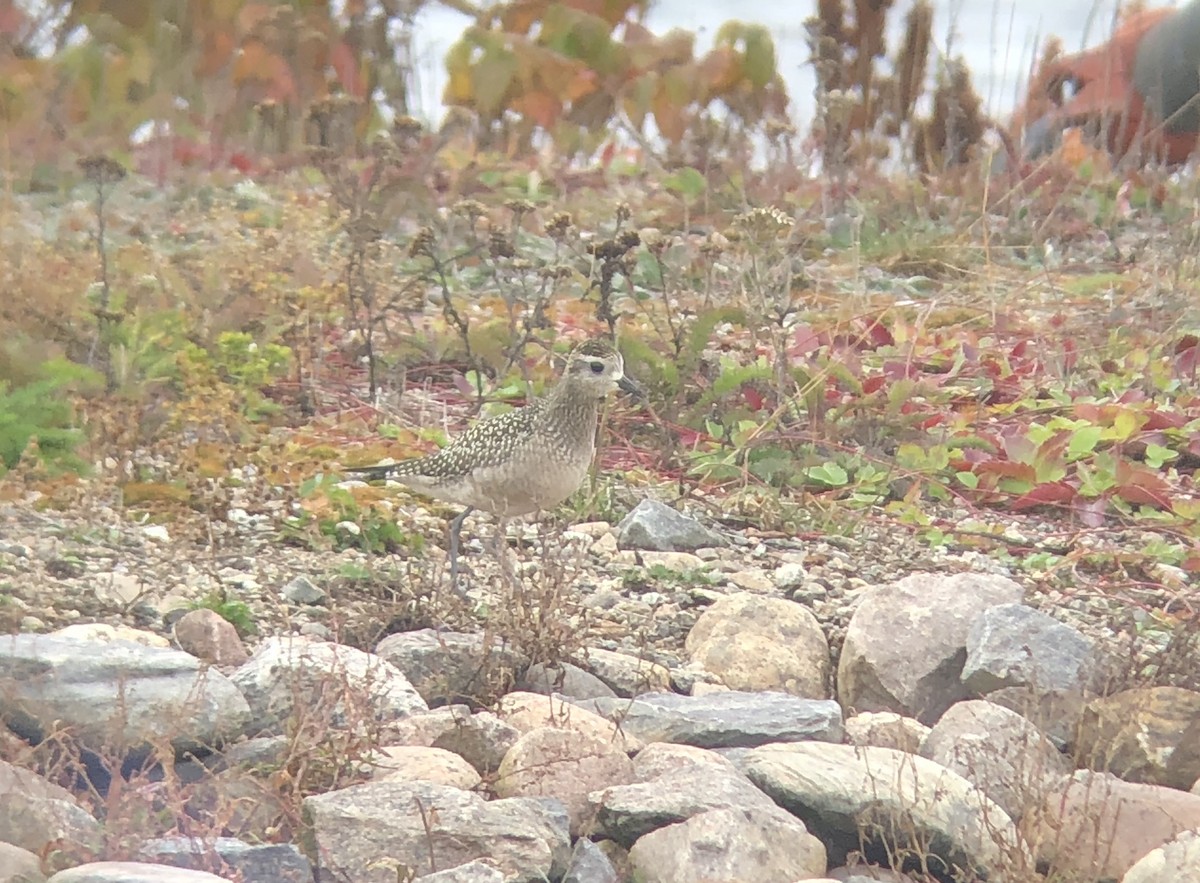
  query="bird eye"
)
[{"x": 597, "y": 367}]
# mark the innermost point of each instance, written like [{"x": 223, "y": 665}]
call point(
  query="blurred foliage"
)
[{"x": 574, "y": 68}]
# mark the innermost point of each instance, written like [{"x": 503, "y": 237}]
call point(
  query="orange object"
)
[{"x": 1136, "y": 94}]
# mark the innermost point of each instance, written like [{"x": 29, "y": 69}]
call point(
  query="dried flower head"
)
[
  {"x": 763, "y": 224},
  {"x": 101, "y": 169},
  {"x": 559, "y": 225},
  {"x": 422, "y": 243}
]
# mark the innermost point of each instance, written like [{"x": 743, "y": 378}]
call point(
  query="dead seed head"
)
[
  {"x": 519, "y": 206},
  {"x": 406, "y": 128},
  {"x": 652, "y": 238},
  {"x": 764, "y": 224},
  {"x": 499, "y": 246},
  {"x": 100, "y": 169},
  {"x": 422, "y": 243},
  {"x": 624, "y": 212},
  {"x": 472, "y": 209},
  {"x": 559, "y": 225}
]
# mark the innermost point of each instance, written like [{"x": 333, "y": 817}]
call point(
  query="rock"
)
[
  {"x": 789, "y": 575},
  {"x": 471, "y": 872},
  {"x": 886, "y": 729},
  {"x": 752, "y": 843},
  {"x": 729, "y": 719},
  {"x": 1184, "y": 763},
  {"x": 340, "y": 684},
  {"x": 626, "y": 675},
  {"x": 529, "y": 711},
  {"x": 868, "y": 874},
  {"x": 1096, "y": 827},
  {"x": 1056, "y": 714},
  {"x": 481, "y": 739},
  {"x": 99, "y": 631},
  {"x": 255, "y": 863},
  {"x": 1135, "y": 734},
  {"x": 999, "y": 752},
  {"x": 1178, "y": 860},
  {"x": 209, "y": 636},
  {"x": 655, "y": 526},
  {"x": 675, "y": 782},
  {"x": 133, "y": 872},
  {"x": 549, "y": 762},
  {"x": 304, "y": 592},
  {"x": 590, "y": 864},
  {"x": 752, "y": 581},
  {"x": 565, "y": 678},
  {"x": 19, "y": 865},
  {"x": 835, "y": 789},
  {"x": 448, "y": 667},
  {"x": 359, "y": 829},
  {"x": 754, "y": 643},
  {"x": 35, "y": 812},
  {"x": 408, "y": 763},
  {"x": 116, "y": 693},
  {"x": 1011, "y": 645},
  {"x": 906, "y": 642}
]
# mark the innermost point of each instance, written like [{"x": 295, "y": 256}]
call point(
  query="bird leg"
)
[
  {"x": 507, "y": 572},
  {"x": 455, "y": 541}
]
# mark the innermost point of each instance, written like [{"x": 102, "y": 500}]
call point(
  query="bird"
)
[{"x": 525, "y": 460}]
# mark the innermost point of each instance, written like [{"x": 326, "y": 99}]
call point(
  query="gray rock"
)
[
  {"x": 1175, "y": 861},
  {"x": 116, "y": 693},
  {"x": 361, "y": 828},
  {"x": 751, "y": 843},
  {"x": 19, "y": 865},
  {"x": 341, "y": 684},
  {"x": 675, "y": 783},
  {"x": 590, "y": 864},
  {"x": 657, "y": 527},
  {"x": 626, "y": 675},
  {"x": 482, "y": 741},
  {"x": 565, "y": 678},
  {"x": 133, "y": 872},
  {"x": 448, "y": 667},
  {"x": 999, "y": 752},
  {"x": 35, "y": 812},
  {"x": 471, "y": 872},
  {"x": 752, "y": 643},
  {"x": 912, "y": 803},
  {"x": 906, "y": 642},
  {"x": 305, "y": 592},
  {"x": 257, "y": 863},
  {"x": 1011, "y": 645},
  {"x": 730, "y": 719}
]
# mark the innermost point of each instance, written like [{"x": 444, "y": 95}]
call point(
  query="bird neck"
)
[{"x": 569, "y": 404}]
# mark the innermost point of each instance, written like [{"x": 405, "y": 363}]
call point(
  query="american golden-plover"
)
[{"x": 522, "y": 461}]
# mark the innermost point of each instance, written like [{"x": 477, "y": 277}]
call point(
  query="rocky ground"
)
[{"x": 728, "y": 705}]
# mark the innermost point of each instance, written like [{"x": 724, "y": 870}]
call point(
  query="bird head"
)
[{"x": 597, "y": 367}]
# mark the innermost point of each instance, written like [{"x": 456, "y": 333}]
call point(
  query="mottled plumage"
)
[{"x": 526, "y": 460}]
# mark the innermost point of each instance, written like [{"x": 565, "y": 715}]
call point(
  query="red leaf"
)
[
  {"x": 804, "y": 341},
  {"x": 753, "y": 398},
  {"x": 1091, "y": 513},
  {"x": 874, "y": 384},
  {"x": 1187, "y": 342},
  {"x": 879, "y": 335},
  {"x": 1050, "y": 493},
  {"x": 1141, "y": 486}
]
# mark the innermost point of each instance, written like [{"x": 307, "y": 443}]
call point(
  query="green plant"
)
[
  {"x": 41, "y": 411},
  {"x": 236, "y": 613}
]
